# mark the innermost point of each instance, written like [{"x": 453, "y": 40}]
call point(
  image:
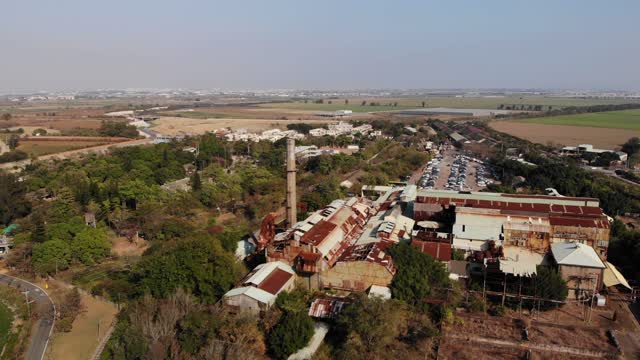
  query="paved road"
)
[{"x": 43, "y": 305}]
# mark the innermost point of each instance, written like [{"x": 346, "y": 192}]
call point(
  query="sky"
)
[{"x": 347, "y": 44}]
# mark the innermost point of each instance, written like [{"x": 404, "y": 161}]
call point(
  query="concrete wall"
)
[
  {"x": 577, "y": 279},
  {"x": 355, "y": 275},
  {"x": 597, "y": 238}
]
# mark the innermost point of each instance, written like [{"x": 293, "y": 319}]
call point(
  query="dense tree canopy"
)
[
  {"x": 417, "y": 274},
  {"x": 12, "y": 198},
  {"x": 292, "y": 333},
  {"x": 198, "y": 264}
]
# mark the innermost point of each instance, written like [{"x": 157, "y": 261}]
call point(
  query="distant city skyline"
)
[{"x": 331, "y": 45}]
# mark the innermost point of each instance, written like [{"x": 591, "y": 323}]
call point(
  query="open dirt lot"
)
[
  {"x": 565, "y": 134},
  {"x": 181, "y": 125},
  {"x": 83, "y": 339},
  {"x": 505, "y": 334}
]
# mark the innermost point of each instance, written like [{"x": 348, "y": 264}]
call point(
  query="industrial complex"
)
[{"x": 344, "y": 246}]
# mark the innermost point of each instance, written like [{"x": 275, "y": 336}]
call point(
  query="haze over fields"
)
[{"x": 333, "y": 44}]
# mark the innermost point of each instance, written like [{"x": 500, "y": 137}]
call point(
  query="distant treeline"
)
[{"x": 569, "y": 110}]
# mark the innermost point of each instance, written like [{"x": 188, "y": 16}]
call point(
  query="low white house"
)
[{"x": 261, "y": 287}]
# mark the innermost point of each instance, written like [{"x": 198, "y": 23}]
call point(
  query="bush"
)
[
  {"x": 64, "y": 325},
  {"x": 476, "y": 305},
  {"x": 291, "y": 334}
]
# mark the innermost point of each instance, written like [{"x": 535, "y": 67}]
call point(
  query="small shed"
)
[
  {"x": 261, "y": 287},
  {"x": 580, "y": 267}
]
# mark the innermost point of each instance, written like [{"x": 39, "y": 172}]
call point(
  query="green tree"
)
[
  {"x": 196, "y": 183},
  {"x": 64, "y": 206},
  {"x": 90, "y": 245},
  {"x": 417, "y": 273},
  {"x": 291, "y": 334},
  {"x": 13, "y": 203},
  {"x": 550, "y": 285},
  {"x": 50, "y": 256},
  {"x": 632, "y": 146},
  {"x": 6, "y": 116},
  {"x": 13, "y": 142},
  {"x": 39, "y": 232},
  {"x": 197, "y": 264},
  {"x": 369, "y": 325}
]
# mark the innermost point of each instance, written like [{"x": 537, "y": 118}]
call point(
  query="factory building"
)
[
  {"x": 361, "y": 267},
  {"x": 534, "y": 222}
]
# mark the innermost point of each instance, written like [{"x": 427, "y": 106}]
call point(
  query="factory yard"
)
[{"x": 565, "y": 134}]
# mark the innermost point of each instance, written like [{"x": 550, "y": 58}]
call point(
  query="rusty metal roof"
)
[
  {"x": 318, "y": 233},
  {"x": 327, "y": 307},
  {"x": 275, "y": 281}
]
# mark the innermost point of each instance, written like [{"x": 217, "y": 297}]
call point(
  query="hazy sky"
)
[{"x": 88, "y": 44}]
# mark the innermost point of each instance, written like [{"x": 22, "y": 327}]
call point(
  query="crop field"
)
[
  {"x": 38, "y": 148},
  {"x": 565, "y": 134},
  {"x": 355, "y": 104},
  {"x": 626, "y": 119}
]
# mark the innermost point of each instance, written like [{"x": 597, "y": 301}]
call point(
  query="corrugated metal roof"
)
[
  {"x": 327, "y": 307},
  {"x": 318, "y": 232},
  {"x": 275, "y": 281},
  {"x": 576, "y": 254},
  {"x": 613, "y": 277},
  {"x": 520, "y": 261},
  {"x": 252, "y": 292},
  {"x": 262, "y": 271}
]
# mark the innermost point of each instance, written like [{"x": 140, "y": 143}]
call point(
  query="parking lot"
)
[{"x": 451, "y": 170}]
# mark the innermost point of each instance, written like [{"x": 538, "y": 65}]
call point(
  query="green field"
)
[
  {"x": 452, "y": 102},
  {"x": 626, "y": 119}
]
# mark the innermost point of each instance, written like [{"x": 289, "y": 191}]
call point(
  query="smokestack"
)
[{"x": 292, "y": 217}]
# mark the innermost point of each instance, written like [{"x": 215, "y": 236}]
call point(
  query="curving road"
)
[{"x": 41, "y": 303}]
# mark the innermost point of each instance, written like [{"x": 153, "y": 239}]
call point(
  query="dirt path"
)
[{"x": 529, "y": 346}]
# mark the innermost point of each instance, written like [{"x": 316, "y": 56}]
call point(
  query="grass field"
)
[
  {"x": 6, "y": 319},
  {"x": 627, "y": 119},
  {"x": 36, "y": 148},
  {"x": 453, "y": 102}
]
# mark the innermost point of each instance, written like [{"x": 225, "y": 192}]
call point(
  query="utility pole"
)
[{"x": 26, "y": 298}]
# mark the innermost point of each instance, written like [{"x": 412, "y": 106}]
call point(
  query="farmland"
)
[
  {"x": 627, "y": 119},
  {"x": 565, "y": 134},
  {"x": 605, "y": 129},
  {"x": 355, "y": 104},
  {"x": 37, "y": 147}
]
